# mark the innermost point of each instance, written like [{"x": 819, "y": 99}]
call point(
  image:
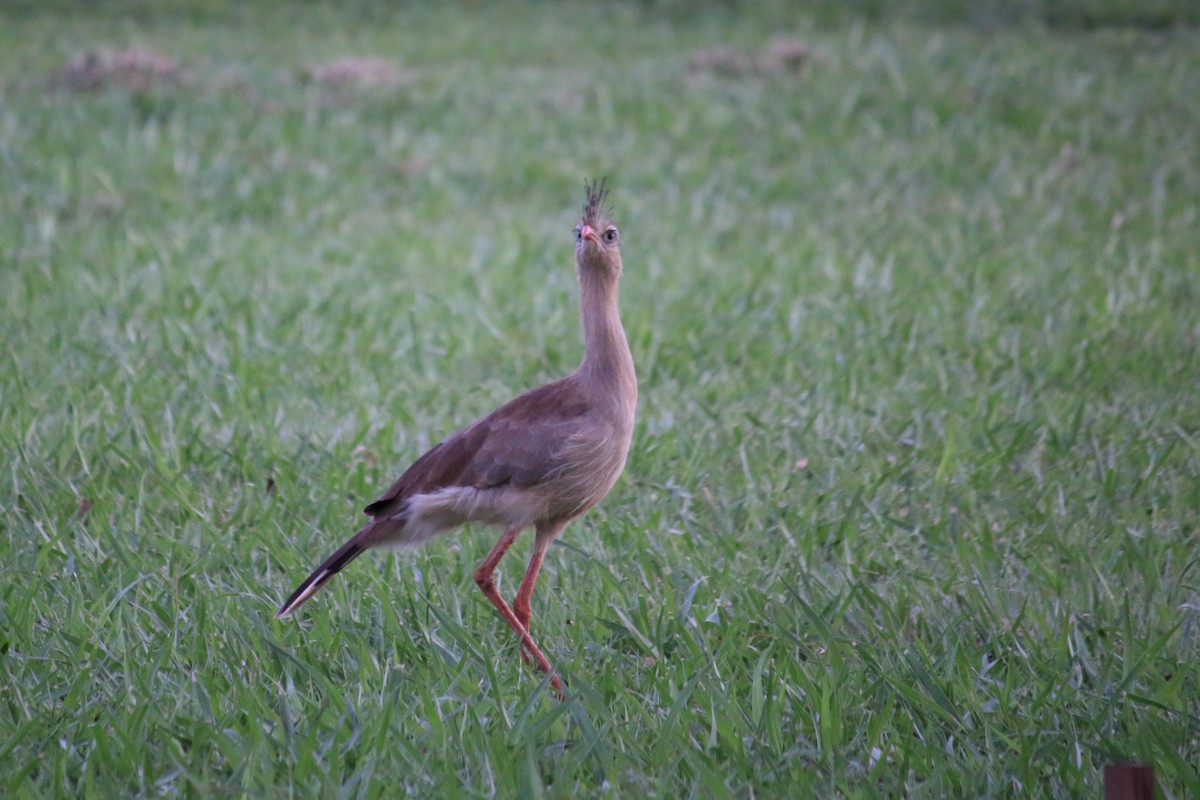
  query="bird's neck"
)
[{"x": 606, "y": 358}]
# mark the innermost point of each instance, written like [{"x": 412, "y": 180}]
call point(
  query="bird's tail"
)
[{"x": 329, "y": 567}]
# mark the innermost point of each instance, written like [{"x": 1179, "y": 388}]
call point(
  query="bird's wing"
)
[{"x": 521, "y": 443}]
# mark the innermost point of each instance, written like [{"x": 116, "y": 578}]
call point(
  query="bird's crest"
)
[{"x": 596, "y": 194}]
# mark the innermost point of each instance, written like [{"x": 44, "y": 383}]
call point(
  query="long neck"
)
[{"x": 606, "y": 357}]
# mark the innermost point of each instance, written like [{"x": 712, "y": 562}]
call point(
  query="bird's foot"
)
[
  {"x": 556, "y": 682},
  {"x": 541, "y": 665}
]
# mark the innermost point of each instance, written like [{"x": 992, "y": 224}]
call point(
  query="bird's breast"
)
[{"x": 591, "y": 461}]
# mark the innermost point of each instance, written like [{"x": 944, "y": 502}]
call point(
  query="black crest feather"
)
[{"x": 596, "y": 194}]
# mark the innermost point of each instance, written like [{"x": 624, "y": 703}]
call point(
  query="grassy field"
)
[{"x": 914, "y": 499}]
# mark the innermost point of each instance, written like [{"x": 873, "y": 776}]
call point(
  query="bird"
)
[{"x": 539, "y": 461}]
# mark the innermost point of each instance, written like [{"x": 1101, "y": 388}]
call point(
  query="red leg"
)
[
  {"x": 546, "y": 534},
  {"x": 483, "y": 578}
]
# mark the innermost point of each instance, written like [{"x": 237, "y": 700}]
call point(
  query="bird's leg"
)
[
  {"x": 483, "y": 578},
  {"x": 521, "y": 603}
]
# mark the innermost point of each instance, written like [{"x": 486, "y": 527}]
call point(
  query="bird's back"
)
[{"x": 549, "y": 454}]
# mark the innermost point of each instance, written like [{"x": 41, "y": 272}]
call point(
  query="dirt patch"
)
[
  {"x": 780, "y": 56},
  {"x": 135, "y": 68},
  {"x": 356, "y": 72},
  {"x": 721, "y": 60},
  {"x": 784, "y": 55}
]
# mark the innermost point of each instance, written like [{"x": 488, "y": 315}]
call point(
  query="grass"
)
[{"x": 914, "y": 497}]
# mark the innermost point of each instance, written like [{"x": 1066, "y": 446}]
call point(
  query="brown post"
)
[{"x": 1128, "y": 780}]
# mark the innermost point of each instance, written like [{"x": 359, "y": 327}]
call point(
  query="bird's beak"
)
[{"x": 589, "y": 232}]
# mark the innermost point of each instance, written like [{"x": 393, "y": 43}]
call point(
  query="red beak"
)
[{"x": 589, "y": 232}]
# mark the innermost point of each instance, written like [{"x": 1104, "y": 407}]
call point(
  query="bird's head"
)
[{"x": 597, "y": 240}]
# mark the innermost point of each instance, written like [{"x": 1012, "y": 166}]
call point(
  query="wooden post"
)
[{"x": 1128, "y": 780}]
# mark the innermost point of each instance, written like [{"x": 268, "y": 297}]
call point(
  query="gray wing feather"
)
[{"x": 523, "y": 443}]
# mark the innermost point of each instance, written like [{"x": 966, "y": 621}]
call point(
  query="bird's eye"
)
[
  {"x": 579, "y": 234},
  {"x": 610, "y": 235}
]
